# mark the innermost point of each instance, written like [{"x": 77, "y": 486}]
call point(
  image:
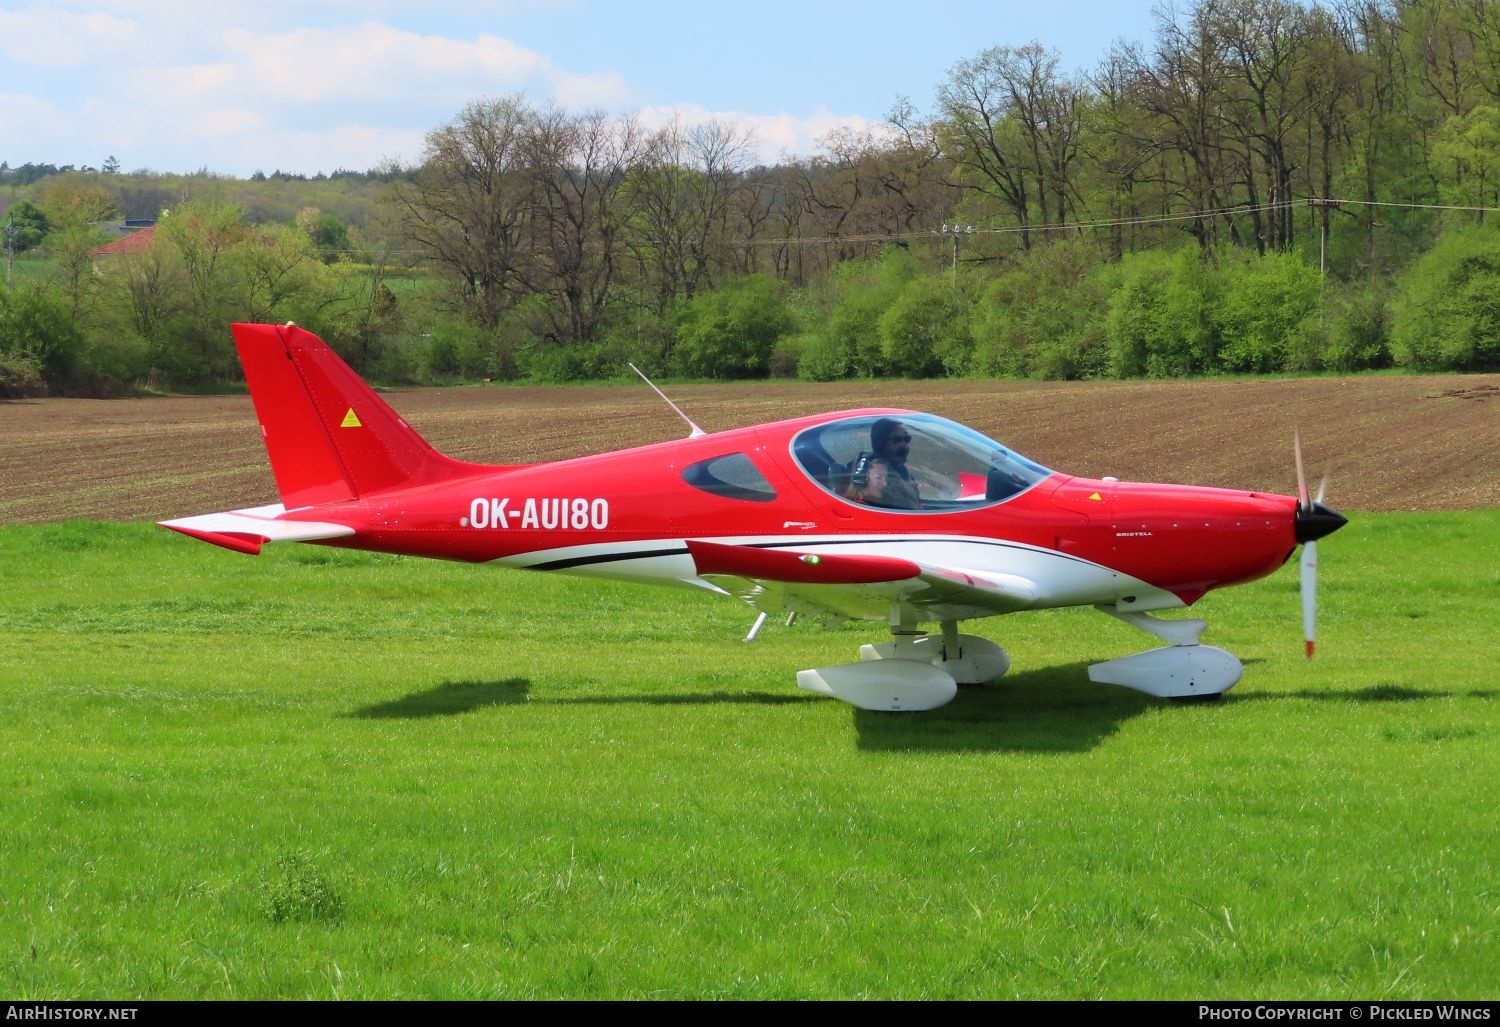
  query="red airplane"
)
[{"x": 891, "y": 516}]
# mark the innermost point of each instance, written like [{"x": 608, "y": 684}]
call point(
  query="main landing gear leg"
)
[{"x": 1186, "y": 670}]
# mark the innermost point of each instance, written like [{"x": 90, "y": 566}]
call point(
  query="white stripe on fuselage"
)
[{"x": 1061, "y": 580}]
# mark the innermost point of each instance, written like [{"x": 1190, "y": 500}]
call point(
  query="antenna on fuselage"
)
[{"x": 696, "y": 431}]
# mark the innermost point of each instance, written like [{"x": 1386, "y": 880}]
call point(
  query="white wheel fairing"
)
[
  {"x": 1172, "y": 672},
  {"x": 895, "y": 686}
]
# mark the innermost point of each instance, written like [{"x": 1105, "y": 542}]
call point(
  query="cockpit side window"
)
[{"x": 732, "y": 476}]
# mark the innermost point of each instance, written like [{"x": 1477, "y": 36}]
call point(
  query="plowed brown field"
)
[{"x": 1387, "y": 442}]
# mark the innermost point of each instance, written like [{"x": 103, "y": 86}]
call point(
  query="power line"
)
[
  {"x": 1075, "y": 226},
  {"x": 1127, "y": 222},
  {"x": 1416, "y": 206},
  {"x": 1150, "y": 219}
]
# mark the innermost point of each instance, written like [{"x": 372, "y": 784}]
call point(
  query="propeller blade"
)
[
  {"x": 1302, "y": 499},
  {"x": 1313, "y": 521},
  {"x": 1309, "y": 595}
]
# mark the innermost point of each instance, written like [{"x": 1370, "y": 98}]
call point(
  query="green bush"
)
[
  {"x": 114, "y": 361},
  {"x": 1446, "y": 313},
  {"x": 547, "y": 361},
  {"x": 397, "y": 360},
  {"x": 925, "y": 331},
  {"x": 854, "y": 332},
  {"x": 1040, "y": 317},
  {"x": 824, "y": 358},
  {"x": 1158, "y": 321},
  {"x": 860, "y": 294},
  {"x": 1265, "y": 311},
  {"x": 646, "y": 340},
  {"x": 177, "y": 353},
  {"x": 456, "y": 350},
  {"x": 1357, "y": 334},
  {"x": 786, "y": 357},
  {"x": 731, "y": 332},
  {"x": 20, "y": 377},
  {"x": 35, "y": 325}
]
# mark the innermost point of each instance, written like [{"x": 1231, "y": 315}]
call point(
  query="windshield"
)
[{"x": 912, "y": 462}]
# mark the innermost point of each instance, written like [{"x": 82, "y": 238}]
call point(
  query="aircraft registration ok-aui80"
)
[{"x": 889, "y": 516}]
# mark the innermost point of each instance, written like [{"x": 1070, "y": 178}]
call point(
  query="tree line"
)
[{"x": 1265, "y": 186}]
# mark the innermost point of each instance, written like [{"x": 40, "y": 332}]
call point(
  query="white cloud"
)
[
  {"x": 180, "y": 84},
  {"x": 28, "y": 118},
  {"x": 224, "y": 123},
  {"x": 38, "y": 37},
  {"x": 578, "y": 93},
  {"x": 774, "y": 136},
  {"x": 370, "y": 62},
  {"x": 174, "y": 87}
]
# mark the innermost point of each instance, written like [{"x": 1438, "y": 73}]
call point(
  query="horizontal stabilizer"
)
[{"x": 245, "y": 531}]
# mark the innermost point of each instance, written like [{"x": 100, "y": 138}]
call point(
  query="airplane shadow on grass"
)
[
  {"x": 454, "y": 697},
  {"x": 1380, "y": 693},
  {"x": 448, "y": 699},
  {"x": 1052, "y": 709},
  {"x": 1055, "y": 709}
]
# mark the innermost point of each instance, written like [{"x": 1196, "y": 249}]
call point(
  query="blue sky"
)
[{"x": 177, "y": 85}]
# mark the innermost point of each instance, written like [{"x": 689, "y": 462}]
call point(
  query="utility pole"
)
[
  {"x": 10, "y": 248},
  {"x": 957, "y": 230},
  {"x": 1326, "y": 204}
]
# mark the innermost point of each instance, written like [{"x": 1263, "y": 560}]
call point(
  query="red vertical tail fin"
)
[{"x": 328, "y": 435}]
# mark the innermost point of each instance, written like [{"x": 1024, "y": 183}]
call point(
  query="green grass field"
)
[{"x": 324, "y": 774}]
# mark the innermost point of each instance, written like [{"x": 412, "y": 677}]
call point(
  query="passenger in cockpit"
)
[
  {"x": 873, "y": 482},
  {"x": 867, "y": 483}
]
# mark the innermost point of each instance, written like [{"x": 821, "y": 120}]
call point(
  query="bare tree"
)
[
  {"x": 1380, "y": 125},
  {"x": 752, "y": 217},
  {"x": 579, "y": 164},
  {"x": 983, "y": 138},
  {"x": 1181, "y": 86},
  {"x": 914, "y": 171},
  {"x": 680, "y": 196},
  {"x": 469, "y": 206},
  {"x": 1122, "y": 148},
  {"x": 1265, "y": 43}
]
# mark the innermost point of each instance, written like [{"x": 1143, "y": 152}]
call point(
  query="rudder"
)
[{"x": 328, "y": 435}]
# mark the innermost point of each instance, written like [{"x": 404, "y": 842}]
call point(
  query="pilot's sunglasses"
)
[{"x": 900, "y": 438}]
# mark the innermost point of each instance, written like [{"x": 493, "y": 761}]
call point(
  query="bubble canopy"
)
[{"x": 952, "y": 466}]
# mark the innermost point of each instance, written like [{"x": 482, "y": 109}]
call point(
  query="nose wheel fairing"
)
[
  {"x": 1172, "y": 672},
  {"x": 1186, "y": 669}
]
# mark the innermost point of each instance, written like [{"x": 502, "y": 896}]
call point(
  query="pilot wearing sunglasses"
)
[{"x": 891, "y": 442}]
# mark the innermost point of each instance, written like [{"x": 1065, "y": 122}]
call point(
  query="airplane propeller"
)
[{"x": 1314, "y": 521}]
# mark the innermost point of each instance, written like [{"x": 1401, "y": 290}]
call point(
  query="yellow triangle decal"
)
[
  {"x": 350, "y": 421},
  {"x": 1095, "y": 497}
]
